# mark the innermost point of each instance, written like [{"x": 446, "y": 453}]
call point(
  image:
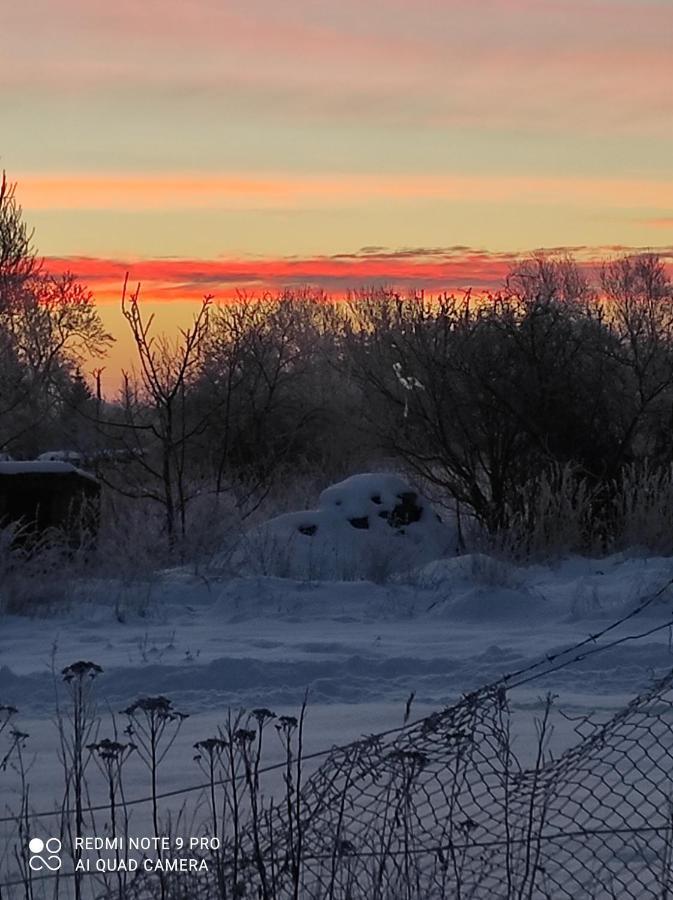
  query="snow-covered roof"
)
[
  {"x": 60, "y": 456},
  {"x": 42, "y": 467}
]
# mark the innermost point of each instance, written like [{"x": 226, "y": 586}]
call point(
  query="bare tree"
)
[
  {"x": 640, "y": 302},
  {"x": 542, "y": 279},
  {"x": 430, "y": 374},
  {"x": 478, "y": 397},
  {"x": 48, "y": 327},
  {"x": 156, "y": 424},
  {"x": 256, "y": 386},
  {"x": 18, "y": 262}
]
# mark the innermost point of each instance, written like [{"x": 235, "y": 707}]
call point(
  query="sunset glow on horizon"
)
[{"x": 205, "y": 147}]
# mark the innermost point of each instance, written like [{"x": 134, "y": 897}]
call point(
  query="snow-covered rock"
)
[{"x": 368, "y": 526}]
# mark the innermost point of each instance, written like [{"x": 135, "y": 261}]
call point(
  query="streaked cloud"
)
[
  {"x": 189, "y": 279},
  {"x": 548, "y": 64},
  {"x": 144, "y": 191},
  {"x": 665, "y": 222},
  {"x": 427, "y": 268}
]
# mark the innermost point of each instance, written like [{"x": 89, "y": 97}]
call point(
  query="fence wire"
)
[
  {"x": 441, "y": 808},
  {"x": 444, "y": 810}
]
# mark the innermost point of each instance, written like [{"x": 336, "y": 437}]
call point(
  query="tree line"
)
[{"x": 564, "y": 375}]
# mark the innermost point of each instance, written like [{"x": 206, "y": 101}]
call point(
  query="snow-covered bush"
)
[{"x": 365, "y": 527}]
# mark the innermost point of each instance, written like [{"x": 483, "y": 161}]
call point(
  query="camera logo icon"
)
[{"x": 45, "y": 855}]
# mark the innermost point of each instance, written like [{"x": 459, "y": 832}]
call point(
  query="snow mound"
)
[{"x": 366, "y": 527}]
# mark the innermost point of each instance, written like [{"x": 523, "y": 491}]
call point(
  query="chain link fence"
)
[
  {"x": 440, "y": 809},
  {"x": 444, "y": 810}
]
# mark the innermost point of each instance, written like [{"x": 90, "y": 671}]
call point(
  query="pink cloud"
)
[
  {"x": 431, "y": 269},
  {"x": 542, "y": 63}
]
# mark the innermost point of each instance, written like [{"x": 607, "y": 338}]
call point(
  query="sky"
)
[{"x": 209, "y": 145}]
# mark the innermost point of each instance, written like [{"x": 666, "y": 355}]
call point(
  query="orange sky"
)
[
  {"x": 207, "y": 145},
  {"x": 179, "y": 191}
]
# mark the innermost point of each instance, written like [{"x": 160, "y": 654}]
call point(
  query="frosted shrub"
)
[
  {"x": 561, "y": 512},
  {"x": 38, "y": 577},
  {"x": 553, "y": 515},
  {"x": 643, "y": 505}
]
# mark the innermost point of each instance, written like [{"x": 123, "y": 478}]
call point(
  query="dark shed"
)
[{"x": 48, "y": 495}]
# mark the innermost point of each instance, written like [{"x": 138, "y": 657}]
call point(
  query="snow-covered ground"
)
[
  {"x": 361, "y": 649},
  {"x": 446, "y": 628}
]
